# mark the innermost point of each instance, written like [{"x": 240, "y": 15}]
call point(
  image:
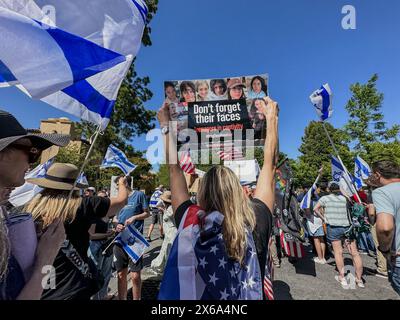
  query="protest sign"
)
[
  {"x": 214, "y": 112},
  {"x": 245, "y": 170}
]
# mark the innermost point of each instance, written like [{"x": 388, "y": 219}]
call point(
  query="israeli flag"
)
[
  {"x": 71, "y": 54},
  {"x": 22, "y": 195},
  {"x": 117, "y": 159},
  {"x": 362, "y": 171},
  {"x": 82, "y": 179},
  {"x": 133, "y": 242},
  {"x": 337, "y": 169},
  {"x": 322, "y": 101},
  {"x": 306, "y": 202}
]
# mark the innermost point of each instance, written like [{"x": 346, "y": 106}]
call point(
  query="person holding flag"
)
[
  {"x": 221, "y": 249},
  {"x": 134, "y": 212},
  {"x": 76, "y": 214},
  {"x": 314, "y": 222}
]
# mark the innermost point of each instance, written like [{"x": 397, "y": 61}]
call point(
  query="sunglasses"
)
[{"x": 32, "y": 152}]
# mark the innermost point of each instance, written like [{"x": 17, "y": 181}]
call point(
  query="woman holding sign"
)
[
  {"x": 235, "y": 89},
  {"x": 222, "y": 242}
]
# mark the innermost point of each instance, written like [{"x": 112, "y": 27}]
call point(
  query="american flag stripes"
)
[
  {"x": 231, "y": 154},
  {"x": 186, "y": 163},
  {"x": 269, "y": 275}
]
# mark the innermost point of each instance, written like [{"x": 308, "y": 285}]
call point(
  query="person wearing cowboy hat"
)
[
  {"x": 170, "y": 230},
  {"x": 20, "y": 148},
  {"x": 77, "y": 216}
]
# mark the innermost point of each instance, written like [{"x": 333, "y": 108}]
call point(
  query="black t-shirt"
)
[
  {"x": 68, "y": 278},
  {"x": 261, "y": 233},
  {"x": 77, "y": 231}
]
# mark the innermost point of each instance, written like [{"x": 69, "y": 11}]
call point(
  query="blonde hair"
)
[
  {"x": 48, "y": 205},
  {"x": 220, "y": 190},
  {"x": 4, "y": 248}
]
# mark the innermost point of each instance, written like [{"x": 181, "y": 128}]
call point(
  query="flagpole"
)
[
  {"x": 351, "y": 186},
  {"x": 92, "y": 143}
]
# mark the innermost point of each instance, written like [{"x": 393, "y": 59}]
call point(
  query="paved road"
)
[{"x": 303, "y": 280}]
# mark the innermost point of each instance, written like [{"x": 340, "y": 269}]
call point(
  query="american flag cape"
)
[
  {"x": 198, "y": 267},
  {"x": 269, "y": 275}
]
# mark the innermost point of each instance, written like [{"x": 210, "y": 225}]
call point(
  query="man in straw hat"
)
[{"x": 18, "y": 150}]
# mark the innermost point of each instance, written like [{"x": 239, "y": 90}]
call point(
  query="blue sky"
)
[{"x": 299, "y": 43}]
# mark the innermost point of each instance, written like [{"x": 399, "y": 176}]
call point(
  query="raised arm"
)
[
  {"x": 117, "y": 203},
  {"x": 265, "y": 190},
  {"x": 179, "y": 189}
]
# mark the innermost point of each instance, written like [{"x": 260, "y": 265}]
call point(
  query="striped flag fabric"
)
[
  {"x": 269, "y": 274},
  {"x": 362, "y": 171},
  {"x": 186, "y": 163},
  {"x": 322, "y": 101},
  {"x": 231, "y": 154},
  {"x": 82, "y": 51},
  {"x": 115, "y": 158},
  {"x": 133, "y": 242},
  {"x": 306, "y": 202},
  {"x": 291, "y": 247}
]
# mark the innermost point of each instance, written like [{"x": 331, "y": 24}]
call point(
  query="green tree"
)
[
  {"x": 366, "y": 125},
  {"x": 316, "y": 151}
]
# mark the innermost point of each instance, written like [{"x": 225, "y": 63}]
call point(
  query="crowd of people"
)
[{"x": 222, "y": 236}]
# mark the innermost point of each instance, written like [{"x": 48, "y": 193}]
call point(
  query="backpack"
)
[
  {"x": 290, "y": 219},
  {"x": 357, "y": 215}
]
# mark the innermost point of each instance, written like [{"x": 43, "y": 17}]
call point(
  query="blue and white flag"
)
[
  {"x": 22, "y": 195},
  {"x": 198, "y": 267},
  {"x": 345, "y": 181},
  {"x": 115, "y": 158},
  {"x": 337, "y": 169},
  {"x": 362, "y": 171},
  {"x": 82, "y": 179},
  {"x": 71, "y": 54},
  {"x": 322, "y": 101},
  {"x": 133, "y": 242},
  {"x": 155, "y": 197},
  {"x": 306, "y": 202}
]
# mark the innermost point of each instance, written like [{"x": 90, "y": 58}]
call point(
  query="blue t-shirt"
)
[
  {"x": 387, "y": 200},
  {"x": 137, "y": 203}
]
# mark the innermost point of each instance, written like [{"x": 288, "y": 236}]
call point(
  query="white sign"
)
[{"x": 245, "y": 170}]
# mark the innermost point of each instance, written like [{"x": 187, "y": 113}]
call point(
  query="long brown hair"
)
[
  {"x": 220, "y": 190},
  {"x": 48, "y": 205}
]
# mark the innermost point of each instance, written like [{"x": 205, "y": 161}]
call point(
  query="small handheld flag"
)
[
  {"x": 115, "y": 158},
  {"x": 133, "y": 242},
  {"x": 322, "y": 101}
]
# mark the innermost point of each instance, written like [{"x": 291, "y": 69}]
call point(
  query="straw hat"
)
[
  {"x": 60, "y": 176},
  {"x": 166, "y": 196}
]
